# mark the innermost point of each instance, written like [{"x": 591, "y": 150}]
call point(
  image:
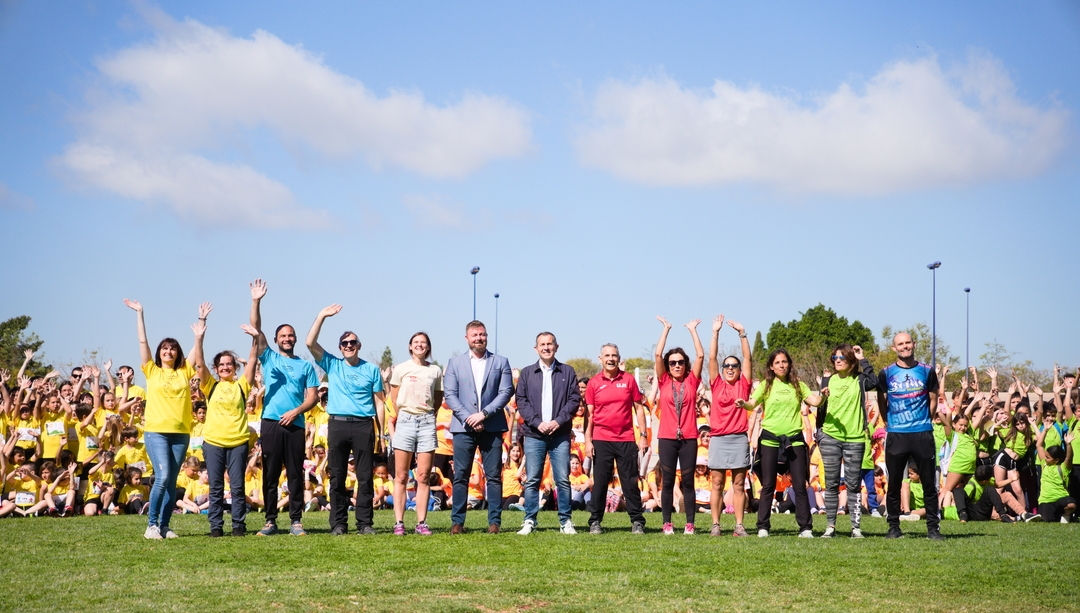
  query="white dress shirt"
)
[{"x": 478, "y": 367}]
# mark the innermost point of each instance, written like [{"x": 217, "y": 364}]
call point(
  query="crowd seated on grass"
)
[{"x": 73, "y": 444}]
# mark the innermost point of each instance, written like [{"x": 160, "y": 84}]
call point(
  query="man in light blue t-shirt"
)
[
  {"x": 355, "y": 403},
  {"x": 291, "y": 385}
]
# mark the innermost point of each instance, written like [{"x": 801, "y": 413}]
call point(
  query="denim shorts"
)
[{"x": 415, "y": 433}]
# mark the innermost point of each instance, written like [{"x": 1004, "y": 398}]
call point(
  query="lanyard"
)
[{"x": 677, "y": 396}]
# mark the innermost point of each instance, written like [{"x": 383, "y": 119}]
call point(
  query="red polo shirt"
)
[
  {"x": 724, "y": 416},
  {"x": 611, "y": 404}
]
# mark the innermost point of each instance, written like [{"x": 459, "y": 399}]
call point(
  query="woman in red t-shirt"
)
[
  {"x": 678, "y": 382},
  {"x": 729, "y": 445}
]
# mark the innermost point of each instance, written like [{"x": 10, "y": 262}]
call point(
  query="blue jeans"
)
[
  {"x": 166, "y": 451},
  {"x": 234, "y": 460},
  {"x": 536, "y": 451},
  {"x": 465, "y": 445}
]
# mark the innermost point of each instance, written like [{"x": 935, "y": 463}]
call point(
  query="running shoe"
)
[
  {"x": 366, "y": 531},
  {"x": 152, "y": 533},
  {"x": 806, "y": 534},
  {"x": 567, "y": 528},
  {"x": 399, "y": 529},
  {"x": 594, "y": 528},
  {"x": 934, "y": 535},
  {"x": 297, "y": 529},
  {"x": 856, "y": 533},
  {"x": 715, "y": 530},
  {"x": 830, "y": 532},
  {"x": 1028, "y": 517},
  {"x": 637, "y": 528},
  {"x": 688, "y": 529},
  {"x": 527, "y": 527},
  {"x": 269, "y": 529},
  {"x": 763, "y": 533},
  {"x": 169, "y": 534},
  {"x": 669, "y": 529},
  {"x": 422, "y": 529},
  {"x": 739, "y": 531},
  {"x": 894, "y": 533}
]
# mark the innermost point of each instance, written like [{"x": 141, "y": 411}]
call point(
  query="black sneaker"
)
[
  {"x": 594, "y": 528},
  {"x": 216, "y": 532},
  {"x": 1005, "y": 519},
  {"x": 894, "y": 533},
  {"x": 934, "y": 535},
  {"x": 637, "y": 528},
  {"x": 239, "y": 531},
  {"x": 338, "y": 531},
  {"x": 366, "y": 531}
]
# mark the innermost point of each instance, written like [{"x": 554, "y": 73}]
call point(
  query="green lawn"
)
[{"x": 104, "y": 564}]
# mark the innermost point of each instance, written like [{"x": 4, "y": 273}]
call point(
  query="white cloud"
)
[
  {"x": 436, "y": 211},
  {"x": 14, "y": 201},
  {"x": 911, "y": 126},
  {"x": 160, "y": 109}
]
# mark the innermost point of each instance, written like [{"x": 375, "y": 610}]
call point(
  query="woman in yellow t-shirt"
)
[
  {"x": 168, "y": 414},
  {"x": 225, "y": 433}
]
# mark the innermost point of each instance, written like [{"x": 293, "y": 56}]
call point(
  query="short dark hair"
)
[
  {"x": 1057, "y": 452},
  {"x": 278, "y": 329},
  {"x": 346, "y": 334},
  {"x": 984, "y": 473}
]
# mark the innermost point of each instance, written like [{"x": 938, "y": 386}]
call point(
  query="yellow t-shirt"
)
[
  {"x": 226, "y": 420},
  {"x": 88, "y": 441},
  {"x": 168, "y": 398},
  {"x": 185, "y": 480},
  {"x": 319, "y": 420},
  {"x": 27, "y": 433},
  {"x": 477, "y": 490},
  {"x": 197, "y": 489},
  {"x": 54, "y": 427},
  {"x": 134, "y": 456},
  {"x": 133, "y": 491},
  {"x": 104, "y": 477},
  {"x": 379, "y": 484},
  {"x": 511, "y": 484},
  {"x": 253, "y": 483},
  {"x": 25, "y": 490}
]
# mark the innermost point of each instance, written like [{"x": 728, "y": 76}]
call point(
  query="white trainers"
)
[
  {"x": 567, "y": 528},
  {"x": 1064, "y": 520},
  {"x": 153, "y": 533},
  {"x": 169, "y": 534},
  {"x": 829, "y": 532},
  {"x": 856, "y": 533},
  {"x": 527, "y": 527},
  {"x": 806, "y": 534},
  {"x": 910, "y": 517},
  {"x": 763, "y": 533},
  {"x": 875, "y": 513}
]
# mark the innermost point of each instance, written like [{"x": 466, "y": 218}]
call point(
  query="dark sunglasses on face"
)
[
  {"x": 676, "y": 363},
  {"x": 731, "y": 366},
  {"x": 348, "y": 344},
  {"x": 838, "y": 358}
]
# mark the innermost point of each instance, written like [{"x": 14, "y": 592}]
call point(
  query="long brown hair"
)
[{"x": 792, "y": 376}]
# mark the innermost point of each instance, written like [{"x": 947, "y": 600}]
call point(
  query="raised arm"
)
[
  {"x": 196, "y": 359},
  {"x": 1040, "y": 443},
  {"x": 747, "y": 355},
  {"x": 658, "y": 353},
  {"x": 699, "y": 352},
  {"x": 107, "y": 367},
  {"x": 253, "y": 356},
  {"x": 714, "y": 347},
  {"x": 312, "y": 342},
  {"x": 144, "y": 346},
  {"x": 29, "y": 355},
  {"x": 258, "y": 290},
  {"x": 5, "y": 403}
]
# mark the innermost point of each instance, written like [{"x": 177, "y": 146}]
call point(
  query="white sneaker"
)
[
  {"x": 1064, "y": 520},
  {"x": 875, "y": 513},
  {"x": 829, "y": 533},
  {"x": 909, "y": 517},
  {"x": 527, "y": 527},
  {"x": 856, "y": 533},
  {"x": 763, "y": 533},
  {"x": 806, "y": 534},
  {"x": 153, "y": 533},
  {"x": 567, "y": 528},
  {"x": 169, "y": 534}
]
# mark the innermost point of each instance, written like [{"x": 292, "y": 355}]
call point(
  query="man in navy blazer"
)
[
  {"x": 547, "y": 399},
  {"x": 477, "y": 387}
]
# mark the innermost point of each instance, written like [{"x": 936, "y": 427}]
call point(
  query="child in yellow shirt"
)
[
  {"x": 100, "y": 486},
  {"x": 134, "y": 495},
  {"x": 384, "y": 487},
  {"x": 132, "y": 454}
]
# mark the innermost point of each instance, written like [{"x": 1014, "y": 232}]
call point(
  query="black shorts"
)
[
  {"x": 1052, "y": 511},
  {"x": 1003, "y": 460}
]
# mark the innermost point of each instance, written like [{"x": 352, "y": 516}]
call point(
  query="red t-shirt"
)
[
  {"x": 668, "y": 420},
  {"x": 611, "y": 402},
  {"x": 724, "y": 416}
]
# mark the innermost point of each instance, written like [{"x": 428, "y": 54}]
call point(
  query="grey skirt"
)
[{"x": 729, "y": 452}]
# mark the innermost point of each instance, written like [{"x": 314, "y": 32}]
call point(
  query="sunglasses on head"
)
[{"x": 350, "y": 343}]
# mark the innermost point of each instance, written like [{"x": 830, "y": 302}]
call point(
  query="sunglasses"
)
[
  {"x": 839, "y": 358},
  {"x": 731, "y": 366},
  {"x": 350, "y": 343},
  {"x": 676, "y": 363}
]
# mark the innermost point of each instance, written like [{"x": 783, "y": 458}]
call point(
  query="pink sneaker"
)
[
  {"x": 730, "y": 510},
  {"x": 423, "y": 530},
  {"x": 669, "y": 529},
  {"x": 689, "y": 529},
  {"x": 399, "y": 529}
]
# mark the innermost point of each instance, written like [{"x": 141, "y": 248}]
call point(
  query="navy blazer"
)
[
  {"x": 564, "y": 398},
  {"x": 459, "y": 390}
]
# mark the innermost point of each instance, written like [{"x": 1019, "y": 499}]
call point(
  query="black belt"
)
[{"x": 349, "y": 418}]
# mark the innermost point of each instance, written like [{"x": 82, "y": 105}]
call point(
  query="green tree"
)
[
  {"x": 1000, "y": 358},
  {"x": 810, "y": 338},
  {"x": 642, "y": 363},
  {"x": 758, "y": 354},
  {"x": 920, "y": 333},
  {"x": 14, "y": 342},
  {"x": 387, "y": 359},
  {"x": 584, "y": 367}
]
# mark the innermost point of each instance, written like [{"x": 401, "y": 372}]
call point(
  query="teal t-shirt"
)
[{"x": 845, "y": 418}]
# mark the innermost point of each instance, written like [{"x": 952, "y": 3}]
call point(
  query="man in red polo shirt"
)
[{"x": 613, "y": 398}]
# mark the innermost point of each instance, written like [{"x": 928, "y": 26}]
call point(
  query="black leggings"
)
[
  {"x": 798, "y": 469},
  {"x": 685, "y": 452}
]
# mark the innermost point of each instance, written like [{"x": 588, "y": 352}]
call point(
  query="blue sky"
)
[{"x": 601, "y": 164}]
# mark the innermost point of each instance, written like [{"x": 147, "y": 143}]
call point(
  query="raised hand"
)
[
  {"x": 1069, "y": 436},
  {"x": 718, "y": 322},
  {"x": 133, "y": 305},
  {"x": 52, "y": 374},
  {"x": 859, "y": 353},
  {"x": 24, "y": 383},
  {"x": 95, "y": 372},
  {"x": 4, "y": 375},
  {"x": 107, "y": 366},
  {"x": 738, "y": 327},
  {"x": 204, "y": 309},
  {"x": 661, "y": 319},
  {"x": 258, "y": 289},
  {"x": 692, "y": 324},
  {"x": 330, "y": 311},
  {"x": 249, "y": 330},
  {"x": 29, "y": 355},
  {"x": 199, "y": 328},
  {"x": 992, "y": 372}
]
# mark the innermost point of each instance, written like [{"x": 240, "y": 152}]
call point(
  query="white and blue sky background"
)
[{"x": 602, "y": 163}]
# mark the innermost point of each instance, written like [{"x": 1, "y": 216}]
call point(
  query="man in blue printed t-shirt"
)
[
  {"x": 290, "y": 392},
  {"x": 907, "y": 390},
  {"x": 355, "y": 401}
]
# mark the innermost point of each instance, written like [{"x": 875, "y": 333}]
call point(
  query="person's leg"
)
[
  {"x": 669, "y": 456},
  {"x": 800, "y": 472},
  {"x": 338, "y": 445},
  {"x": 294, "y": 471},
  {"x": 738, "y": 494},
  {"x": 983, "y": 508},
  {"x": 363, "y": 447},
  {"x": 423, "y": 487},
  {"x": 872, "y": 502},
  {"x": 769, "y": 456},
  {"x": 853, "y": 457},
  {"x": 627, "y": 459},
  {"x": 402, "y": 462},
  {"x": 559, "y": 455},
  {"x": 157, "y": 447},
  {"x": 831, "y": 455},
  {"x": 688, "y": 463},
  {"x": 716, "y": 478},
  {"x": 215, "y": 470},
  {"x": 273, "y": 448},
  {"x": 491, "y": 456},
  {"x": 178, "y": 445},
  {"x": 236, "y": 465},
  {"x": 603, "y": 457},
  {"x": 925, "y": 454},
  {"x": 535, "y": 452},
  {"x": 896, "y": 461},
  {"x": 464, "y": 450}
]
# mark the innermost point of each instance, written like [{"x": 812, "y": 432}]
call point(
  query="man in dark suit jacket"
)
[
  {"x": 477, "y": 387},
  {"x": 547, "y": 399}
]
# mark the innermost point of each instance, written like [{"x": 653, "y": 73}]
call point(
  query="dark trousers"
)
[
  {"x": 799, "y": 471},
  {"x": 900, "y": 447},
  {"x": 218, "y": 460},
  {"x": 983, "y": 509},
  {"x": 683, "y": 451},
  {"x": 465, "y": 446},
  {"x": 282, "y": 446},
  {"x": 606, "y": 455},
  {"x": 358, "y": 438}
]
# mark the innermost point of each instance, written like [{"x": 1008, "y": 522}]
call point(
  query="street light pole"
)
[
  {"x": 933, "y": 326},
  {"x": 496, "y": 322},
  {"x": 475, "y": 269},
  {"x": 967, "y": 333}
]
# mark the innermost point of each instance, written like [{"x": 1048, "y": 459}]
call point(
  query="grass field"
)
[{"x": 104, "y": 564}]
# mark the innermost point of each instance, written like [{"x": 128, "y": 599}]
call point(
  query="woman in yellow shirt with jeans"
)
[{"x": 168, "y": 415}]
